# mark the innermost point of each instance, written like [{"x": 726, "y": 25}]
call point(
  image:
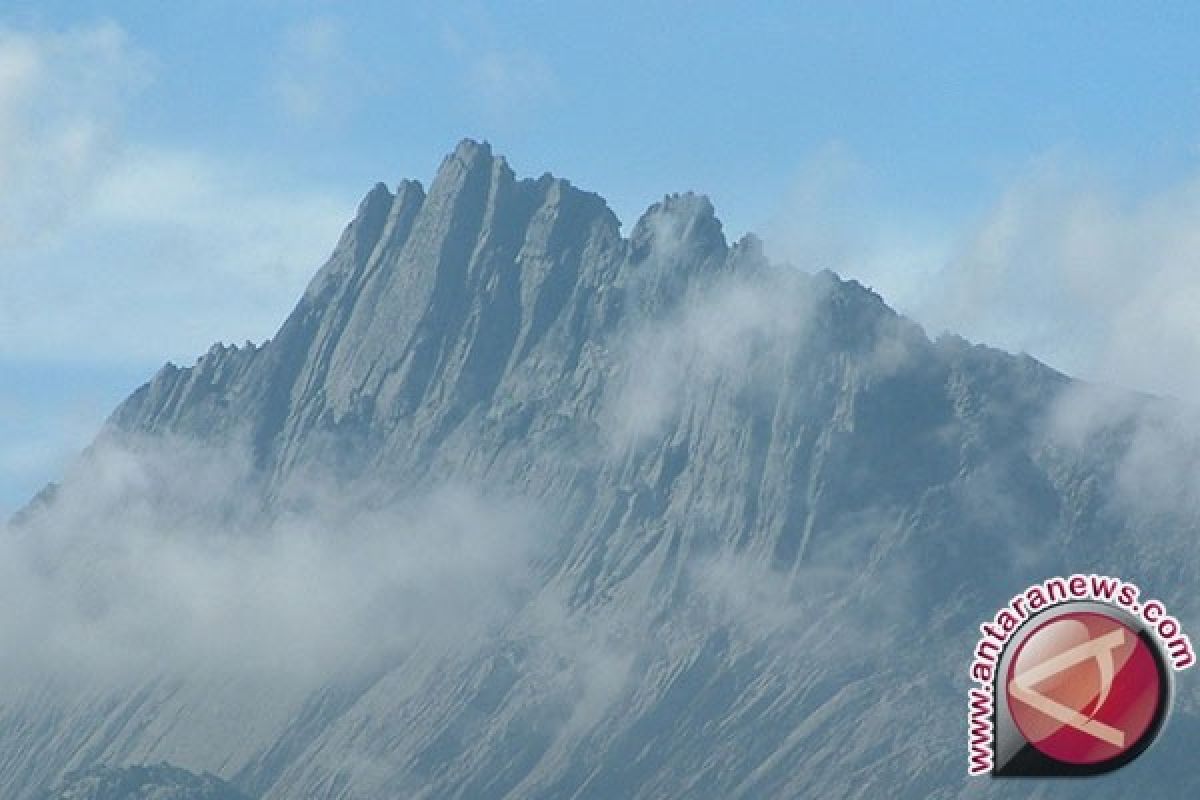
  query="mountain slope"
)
[
  {"x": 160, "y": 782},
  {"x": 759, "y": 516}
]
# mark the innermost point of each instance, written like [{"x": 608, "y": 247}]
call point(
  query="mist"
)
[{"x": 155, "y": 559}]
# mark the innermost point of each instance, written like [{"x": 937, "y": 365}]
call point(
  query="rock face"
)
[
  {"x": 162, "y": 782},
  {"x": 775, "y": 514}
]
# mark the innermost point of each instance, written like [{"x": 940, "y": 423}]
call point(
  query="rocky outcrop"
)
[{"x": 160, "y": 782}]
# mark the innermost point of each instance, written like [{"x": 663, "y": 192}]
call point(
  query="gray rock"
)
[{"x": 159, "y": 782}]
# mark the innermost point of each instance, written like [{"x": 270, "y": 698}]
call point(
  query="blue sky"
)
[{"x": 173, "y": 174}]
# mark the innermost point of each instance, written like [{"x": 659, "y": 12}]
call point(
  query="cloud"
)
[
  {"x": 701, "y": 343},
  {"x": 153, "y": 561},
  {"x": 726, "y": 328},
  {"x": 61, "y": 99},
  {"x": 1153, "y": 445},
  {"x": 821, "y": 225},
  {"x": 103, "y": 233},
  {"x": 166, "y": 230},
  {"x": 41, "y": 428},
  {"x": 506, "y": 83},
  {"x": 314, "y": 79},
  {"x": 1100, "y": 283},
  {"x": 1064, "y": 264},
  {"x": 833, "y": 218},
  {"x": 511, "y": 83},
  {"x": 738, "y": 332}
]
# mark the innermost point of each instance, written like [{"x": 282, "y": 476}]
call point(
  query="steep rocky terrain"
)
[
  {"x": 160, "y": 782},
  {"x": 762, "y": 515}
]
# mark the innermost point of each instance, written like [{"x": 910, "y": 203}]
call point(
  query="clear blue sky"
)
[{"x": 168, "y": 155}]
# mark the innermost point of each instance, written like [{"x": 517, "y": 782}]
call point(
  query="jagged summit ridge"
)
[{"x": 443, "y": 293}]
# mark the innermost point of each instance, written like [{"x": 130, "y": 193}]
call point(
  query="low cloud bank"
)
[{"x": 153, "y": 560}]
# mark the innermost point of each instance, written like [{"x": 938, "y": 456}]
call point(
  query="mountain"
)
[
  {"x": 162, "y": 782},
  {"x": 514, "y": 505}
]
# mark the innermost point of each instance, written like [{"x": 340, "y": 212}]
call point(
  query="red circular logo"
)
[{"x": 1084, "y": 688}]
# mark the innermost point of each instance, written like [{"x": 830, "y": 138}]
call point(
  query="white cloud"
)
[
  {"x": 821, "y": 224},
  {"x": 832, "y": 218},
  {"x": 40, "y": 436},
  {"x": 1154, "y": 445},
  {"x": 106, "y": 240},
  {"x": 116, "y": 252},
  {"x": 505, "y": 83},
  {"x": 152, "y": 560},
  {"x": 1064, "y": 265},
  {"x": 511, "y": 83},
  {"x": 1097, "y": 283},
  {"x": 314, "y": 79},
  {"x": 733, "y": 326},
  {"x": 61, "y": 98}
]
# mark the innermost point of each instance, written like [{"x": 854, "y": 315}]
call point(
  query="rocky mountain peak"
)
[
  {"x": 759, "y": 502},
  {"x": 685, "y": 217}
]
